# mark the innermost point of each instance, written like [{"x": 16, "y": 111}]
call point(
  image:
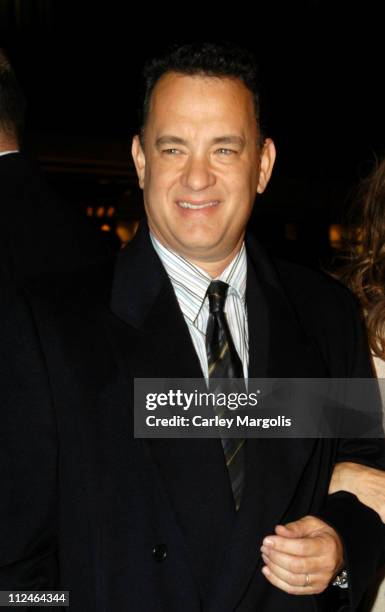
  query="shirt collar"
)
[{"x": 190, "y": 282}]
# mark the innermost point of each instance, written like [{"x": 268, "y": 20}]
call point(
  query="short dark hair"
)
[
  {"x": 12, "y": 101},
  {"x": 206, "y": 59}
]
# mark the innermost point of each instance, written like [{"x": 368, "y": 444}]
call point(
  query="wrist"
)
[{"x": 343, "y": 477}]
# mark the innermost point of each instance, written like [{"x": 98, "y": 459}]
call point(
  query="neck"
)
[{"x": 214, "y": 268}]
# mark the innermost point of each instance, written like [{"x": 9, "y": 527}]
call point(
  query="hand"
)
[
  {"x": 367, "y": 483},
  {"x": 302, "y": 557}
]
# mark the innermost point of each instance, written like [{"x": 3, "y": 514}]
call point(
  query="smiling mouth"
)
[{"x": 197, "y": 205}]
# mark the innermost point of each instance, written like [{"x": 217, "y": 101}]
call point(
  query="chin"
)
[
  {"x": 202, "y": 252},
  {"x": 196, "y": 238},
  {"x": 199, "y": 244}
]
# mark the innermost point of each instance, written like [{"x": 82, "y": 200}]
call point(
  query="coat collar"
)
[{"x": 138, "y": 279}]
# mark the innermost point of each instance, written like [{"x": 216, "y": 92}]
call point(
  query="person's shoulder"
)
[
  {"x": 314, "y": 289},
  {"x": 77, "y": 289},
  {"x": 330, "y": 315},
  {"x": 14, "y": 165},
  {"x": 304, "y": 286},
  {"x": 45, "y": 301}
]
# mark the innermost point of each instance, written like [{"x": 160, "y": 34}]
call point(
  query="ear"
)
[
  {"x": 266, "y": 165},
  {"x": 139, "y": 159}
]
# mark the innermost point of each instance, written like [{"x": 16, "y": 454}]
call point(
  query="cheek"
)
[
  {"x": 242, "y": 177},
  {"x": 158, "y": 195},
  {"x": 242, "y": 188},
  {"x": 160, "y": 180}
]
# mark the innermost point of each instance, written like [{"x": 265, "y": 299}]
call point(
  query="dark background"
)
[{"x": 321, "y": 63}]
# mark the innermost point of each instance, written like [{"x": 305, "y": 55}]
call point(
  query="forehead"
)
[{"x": 183, "y": 99}]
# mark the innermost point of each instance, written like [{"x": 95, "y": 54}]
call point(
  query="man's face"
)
[{"x": 202, "y": 165}]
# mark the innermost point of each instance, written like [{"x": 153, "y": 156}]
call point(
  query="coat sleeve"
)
[
  {"x": 28, "y": 455},
  {"x": 360, "y": 528}
]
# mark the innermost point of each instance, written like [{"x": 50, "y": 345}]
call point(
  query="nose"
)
[{"x": 198, "y": 174}]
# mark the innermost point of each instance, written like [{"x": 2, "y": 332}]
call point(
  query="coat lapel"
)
[{"x": 143, "y": 298}]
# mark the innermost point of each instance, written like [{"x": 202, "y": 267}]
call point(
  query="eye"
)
[
  {"x": 171, "y": 151},
  {"x": 226, "y": 152}
]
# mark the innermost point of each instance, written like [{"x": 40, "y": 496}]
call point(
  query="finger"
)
[
  {"x": 303, "y": 526},
  {"x": 297, "y": 580},
  {"x": 283, "y": 530},
  {"x": 296, "y": 529},
  {"x": 288, "y": 588},
  {"x": 293, "y": 563},
  {"x": 303, "y": 547}
]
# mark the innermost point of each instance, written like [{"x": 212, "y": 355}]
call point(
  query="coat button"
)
[{"x": 159, "y": 552}]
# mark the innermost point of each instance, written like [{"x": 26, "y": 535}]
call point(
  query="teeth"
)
[{"x": 196, "y": 206}]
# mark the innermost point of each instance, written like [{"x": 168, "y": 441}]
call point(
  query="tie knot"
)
[{"x": 217, "y": 293}]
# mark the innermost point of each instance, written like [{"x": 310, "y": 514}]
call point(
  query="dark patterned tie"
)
[{"x": 224, "y": 362}]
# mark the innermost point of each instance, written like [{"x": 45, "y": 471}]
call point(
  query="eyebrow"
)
[
  {"x": 226, "y": 139},
  {"x": 229, "y": 139},
  {"x": 170, "y": 139}
]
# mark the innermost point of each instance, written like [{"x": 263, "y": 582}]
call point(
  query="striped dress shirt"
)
[{"x": 190, "y": 284}]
